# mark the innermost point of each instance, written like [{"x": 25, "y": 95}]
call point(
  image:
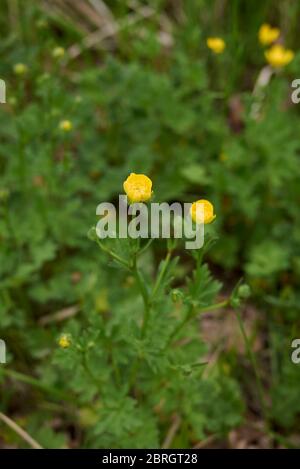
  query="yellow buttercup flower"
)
[
  {"x": 20, "y": 69},
  {"x": 66, "y": 125},
  {"x": 138, "y": 188},
  {"x": 64, "y": 341},
  {"x": 267, "y": 34},
  {"x": 278, "y": 56},
  {"x": 208, "y": 212},
  {"x": 58, "y": 52},
  {"x": 216, "y": 44}
]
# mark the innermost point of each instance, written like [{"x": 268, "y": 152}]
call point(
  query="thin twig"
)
[
  {"x": 212, "y": 360},
  {"x": 22, "y": 433},
  {"x": 205, "y": 443},
  {"x": 58, "y": 316},
  {"x": 103, "y": 10},
  {"x": 36, "y": 383},
  {"x": 172, "y": 432},
  {"x": 84, "y": 9},
  {"x": 259, "y": 93},
  {"x": 62, "y": 12},
  {"x": 97, "y": 37}
]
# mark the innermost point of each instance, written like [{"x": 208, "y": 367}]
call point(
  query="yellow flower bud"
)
[
  {"x": 216, "y": 44},
  {"x": 64, "y": 341},
  {"x": 278, "y": 56},
  {"x": 58, "y": 52},
  {"x": 267, "y": 34},
  {"x": 65, "y": 125},
  {"x": 208, "y": 212},
  {"x": 138, "y": 188},
  {"x": 20, "y": 69}
]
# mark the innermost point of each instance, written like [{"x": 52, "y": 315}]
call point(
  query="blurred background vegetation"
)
[{"x": 109, "y": 88}]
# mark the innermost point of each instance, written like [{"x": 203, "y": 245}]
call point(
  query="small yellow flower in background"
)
[
  {"x": 208, "y": 212},
  {"x": 64, "y": 341},
  {"x": 66, "y": 125},
  {"x": 20, "y": 69},
  {"x": 216, "y": 44},
  {"x": 267, "y": 34},
  {"x": 223, "y": 157},
  {"x": 4, "y": 194},
  {"x": 138, "y": 188},
  {"x": 278, "y": 56},
  {"x": 12, "y": 101},
  {"x": 41, "y": 23},
  {"x": 87, "y": 417},
  {"x": 58, "y": 52}
]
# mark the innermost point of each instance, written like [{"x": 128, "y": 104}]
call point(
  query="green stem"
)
[
  {"x": 190, "y": 314},
  {"x": 220, "y": 305},
  {"x": 146, "y": 320},
  {"x": 147, "y": 245},
  {"x": 85, "y": 364},
  {"x": 35, "y": 382},
  {"x": 133, "y": 372},
  {"x": 10, "y": 228},
  {"x": 145, "y": 296},
  {"x": 161, "y": 275},
  {"x": 281, "y": 439},
  {"x": 179, "y": 326},
  {"x": 116, "y": 369},
  {"x": 112, "y": 254},
  {"x": 141, "y": 283}
]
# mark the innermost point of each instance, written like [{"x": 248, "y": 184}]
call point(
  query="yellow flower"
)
[
  {"x": 20, "y": 69},
  {"x": 65, "y": 125},
  {"x": 216, "y": 44},
  {"x": 64, "y": 341},
  {"x": 278, "y": 56},
  {"x": 58, "y": 52},
  {"x": 138, "y": 188},
  {"x": 267, "y": 34},
  {"x": 208, "y": 212}
]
